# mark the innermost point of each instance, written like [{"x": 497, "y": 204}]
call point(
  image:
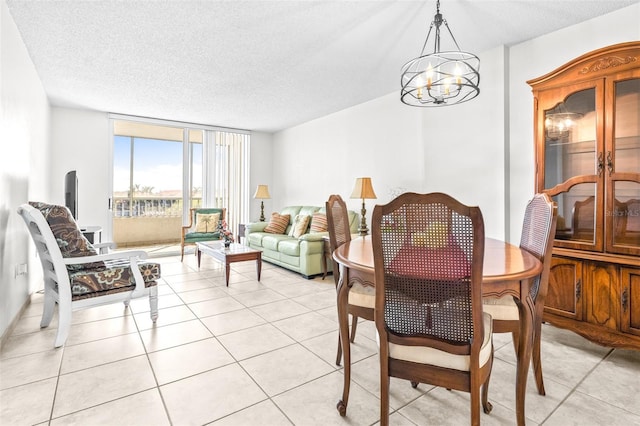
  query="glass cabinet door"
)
[
  {"x": 623, "y": 167},
  {"x": 573, "y": 163}
]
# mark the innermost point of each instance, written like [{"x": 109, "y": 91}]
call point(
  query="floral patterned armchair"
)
[{"x": 76, "y": 276}]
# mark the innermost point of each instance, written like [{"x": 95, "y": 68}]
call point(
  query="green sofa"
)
[{"x": 305, "y": 254}]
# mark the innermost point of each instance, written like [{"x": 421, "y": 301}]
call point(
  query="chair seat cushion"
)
[
  {"x": 362, "y": 295},
  {"x": 425, "y": 355},
  {"x": 501, "y": 308},
  {"x": 193, "y": 237},
  {"x": 116, "y": 277}
]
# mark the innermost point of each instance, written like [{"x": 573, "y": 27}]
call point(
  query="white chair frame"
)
[{"x": 54, "y": 268}]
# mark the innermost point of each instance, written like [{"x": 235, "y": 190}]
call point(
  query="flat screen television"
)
[{"x": 71, "y": 192}]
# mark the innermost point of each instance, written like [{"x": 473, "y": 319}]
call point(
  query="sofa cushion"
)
[
  {"x": 289, "y": 247},
  {"x": 271, "y": 241},
  {"x": 278, "y": 223},
  {"x": 255, "y": 239},
  {"x": 291, "y": 210},
  {"x": 300, "y": 225},
  {"x": 308, "y": 210},
  {"x": 207, "y": 222},
  {"x": 318, "y": 223}
]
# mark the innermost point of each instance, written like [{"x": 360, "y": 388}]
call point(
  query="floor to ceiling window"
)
[{"x": 162, "y": 169}]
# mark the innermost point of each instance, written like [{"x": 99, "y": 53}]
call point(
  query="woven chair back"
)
[
  {"x": 430, "y": 248},
  {"x": 537, "y": 232}
]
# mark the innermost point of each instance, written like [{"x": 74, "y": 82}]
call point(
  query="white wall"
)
[
  {"x": 80, "y": 141},
  {"x": 458, "y": 150},
  {"x": 540, "y": 56},
  {"x": 24, "y": 149},
  {"x": 379, "y": 139},
  {"x": 465, "y": 146},
  {"x": 261, "y": 171}
]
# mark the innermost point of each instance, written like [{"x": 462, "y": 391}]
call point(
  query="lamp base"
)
[
  {"x": 261, "y": 211},
  {"x": 363, "y": 229}
]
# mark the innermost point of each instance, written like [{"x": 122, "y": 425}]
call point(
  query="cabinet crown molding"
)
[{"x": 608, "y": 62}]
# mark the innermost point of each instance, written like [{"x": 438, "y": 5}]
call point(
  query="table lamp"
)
[
  {"x": 363, "y": 190},
  {"x": 262, "y": 193}
]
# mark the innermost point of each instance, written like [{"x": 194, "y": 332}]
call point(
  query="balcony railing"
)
[
  {"x": 149, "y": 205},
  {"x": 148, "y": 220}
]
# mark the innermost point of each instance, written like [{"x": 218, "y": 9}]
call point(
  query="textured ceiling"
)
[{"x": 256, "y": 65}]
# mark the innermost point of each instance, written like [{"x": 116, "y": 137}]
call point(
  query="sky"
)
[{"x": 157, "y": 164}]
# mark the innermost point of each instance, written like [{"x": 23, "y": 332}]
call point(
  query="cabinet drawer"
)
[{"x": 564, "y": 296}]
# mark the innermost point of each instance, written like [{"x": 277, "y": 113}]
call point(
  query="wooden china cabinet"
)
[{"x": 587, "y": 137}]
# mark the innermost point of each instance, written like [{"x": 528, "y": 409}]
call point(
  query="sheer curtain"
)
[{"x": 226, "y": 173}]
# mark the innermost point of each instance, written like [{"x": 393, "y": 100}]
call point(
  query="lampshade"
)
[
  {"x": 262, "y": 193},
  {"x": 444, "y": 77},
  {"x": 363, "y": 189}
]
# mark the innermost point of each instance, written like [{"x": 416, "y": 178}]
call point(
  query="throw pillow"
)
[
  {"x": 67, "y": 234},
  {"x": 435, "y": 236},
  {"x": 207, "y": 222},
  {"x": 278, "y": 223},
  {"x": 300, "y": 224},
  {"x": 319, "y": 223}
]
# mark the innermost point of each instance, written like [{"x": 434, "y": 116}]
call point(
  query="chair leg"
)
[
  {"x": 515, "y": 336},
  {"x": 48, "y": 308},
  {"x": 181, "y": 252},
  {"x": 535, "y": 356},
  {"x": 486, "y": 405},
  {"x": 475, "y": 405},
  {"x": 64, "y": 323},
  {"x": 153, "y": 302},
  {"x": 339, "y": 354},
  {"x": 354, "y": 326},
  {"x": 384, "y": 392}
]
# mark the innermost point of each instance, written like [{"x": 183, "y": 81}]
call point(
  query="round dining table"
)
[{"x": 507, "y": 270}]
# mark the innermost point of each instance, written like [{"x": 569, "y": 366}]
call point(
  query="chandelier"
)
[{"x": 442, "y": 77}]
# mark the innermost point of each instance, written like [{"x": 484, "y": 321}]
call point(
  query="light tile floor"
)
[{"x": 263, "y": 353}]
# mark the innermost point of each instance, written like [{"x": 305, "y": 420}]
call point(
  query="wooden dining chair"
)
[
  {"x": 538, "y": 232},
  {"x": 428, "y": 252},
  {"x": 361, "y": 299}
]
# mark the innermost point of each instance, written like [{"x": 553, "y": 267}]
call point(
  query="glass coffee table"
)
[{"x": 227, "y": 255}]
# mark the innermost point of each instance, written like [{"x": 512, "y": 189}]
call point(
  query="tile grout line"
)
[{"x": 574, "y": 389}]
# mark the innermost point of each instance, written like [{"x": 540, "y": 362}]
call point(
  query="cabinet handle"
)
[
  {"x": 609, "y": 163},
  {"x": 578, "y": 289},
  {"x": 625, "y": 299},
  {"x": 600, "y": 164}
]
